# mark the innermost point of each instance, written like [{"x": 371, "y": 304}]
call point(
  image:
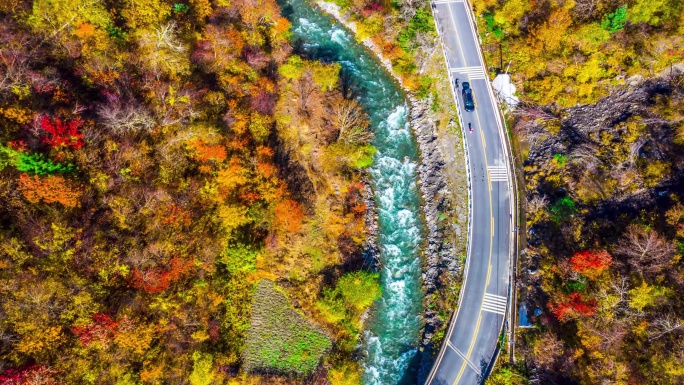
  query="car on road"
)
[{"x": 468, "y": 97}]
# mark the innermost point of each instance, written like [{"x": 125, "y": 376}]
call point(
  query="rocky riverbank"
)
[
  {"x": 371, "y": 251},
  {"x": 439, "y": 252}
]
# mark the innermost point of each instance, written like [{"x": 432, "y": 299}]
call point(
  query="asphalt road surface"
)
[{"x": 471, "y": 340}]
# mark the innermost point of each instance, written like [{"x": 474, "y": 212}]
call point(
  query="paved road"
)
[{"x": 472, "y": 337}]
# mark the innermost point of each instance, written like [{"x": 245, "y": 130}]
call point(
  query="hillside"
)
[
  {"x": 600, "y": 134},
  {"x": 149, "y": 181}
]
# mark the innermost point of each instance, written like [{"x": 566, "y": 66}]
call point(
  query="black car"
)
[{"x": 468, "y": 97}]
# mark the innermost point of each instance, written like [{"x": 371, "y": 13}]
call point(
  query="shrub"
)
[
  {"x": 560, "y": 159},
  {"x": 359, "y": 289},
  {"x": 421, "y": 22},
  {"x": 352, "y": 296}
]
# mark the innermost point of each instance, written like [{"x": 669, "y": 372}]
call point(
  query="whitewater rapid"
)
[{"x": 392, "y": 334}]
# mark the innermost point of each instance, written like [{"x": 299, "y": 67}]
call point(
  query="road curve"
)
[{"x": 473, "y": 334}]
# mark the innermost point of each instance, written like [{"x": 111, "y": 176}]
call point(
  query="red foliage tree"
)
[
  {"x": 591, "y": 263},
  {"x": 573, "y": 306},
  {"x": 31, "y": 375},
  {"x": 353, "y": 201},
  {"x": 62, "y": 134},
  {"x": 372, "y": 8},
  {"x": 18, "y": 145},
  {"x": 263, "y": 102},
  {"x": 102, "y": 329},
  {"x": 177, "y": 216},
  {"x": 255, "y": 57},
  {"x": 155, "y": 281}
]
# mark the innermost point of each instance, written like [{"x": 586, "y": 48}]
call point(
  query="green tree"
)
[
  {"x": 615, "y": 21},
  {"x": 36, "y": 164},
  {"x": 563, "y": 208},
  {"x": 292, "y": 69}
]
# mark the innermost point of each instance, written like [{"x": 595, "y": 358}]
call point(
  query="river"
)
[{"x": 392, "y": 333}]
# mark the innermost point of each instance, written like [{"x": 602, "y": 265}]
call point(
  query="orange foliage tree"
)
[
  {"x": 51, "y": 189},
  {"x": 591, "y": 263},
  {"x": 204, "y": 152},
  {"x": 289, "y": 215}
]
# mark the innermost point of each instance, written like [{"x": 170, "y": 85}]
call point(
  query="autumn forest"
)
[{"x": 184, "y": 192}]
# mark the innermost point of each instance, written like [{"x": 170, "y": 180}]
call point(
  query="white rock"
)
[{"x": 505, "y": 89}]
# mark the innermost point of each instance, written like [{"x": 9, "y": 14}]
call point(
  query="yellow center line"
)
[
  {"x": 484, "y": 142},
  {"x": 489, "y": 274},
  {"x": 491, "y": 246},
  {"x": 470, "y": 350}
]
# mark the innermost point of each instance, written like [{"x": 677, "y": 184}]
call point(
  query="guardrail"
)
[
  {"x": 512, "y": 181},
  {"x": 513, "y": 247}
]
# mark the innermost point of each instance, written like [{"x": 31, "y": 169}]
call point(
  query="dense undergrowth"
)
[{"x": 154, "y": 168}]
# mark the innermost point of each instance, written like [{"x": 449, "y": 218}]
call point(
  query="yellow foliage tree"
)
[
  {"x": 549, "y": 36},
  {"x": 145, "y": 13}
]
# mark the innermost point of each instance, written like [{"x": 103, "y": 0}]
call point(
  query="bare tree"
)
[
  {"x": 663, "y": 325},
  {"x": 585, "y": 156},
  {"x": 548, "y": 350},
  {"x": 537, "y": 203},
  {"x": 162, "y": 51},
  {"x": 648, "y": 252},
  {"x": 352, "y": 121},
  {"x": 304, "y": 89},
  {"x": 611, "y": 333},
  {"x": 14, "y": 62},
  {"x": 530, "y": 130},
  {"x": 123, "y": 119},
  {"x": 584, "y": 9}
]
